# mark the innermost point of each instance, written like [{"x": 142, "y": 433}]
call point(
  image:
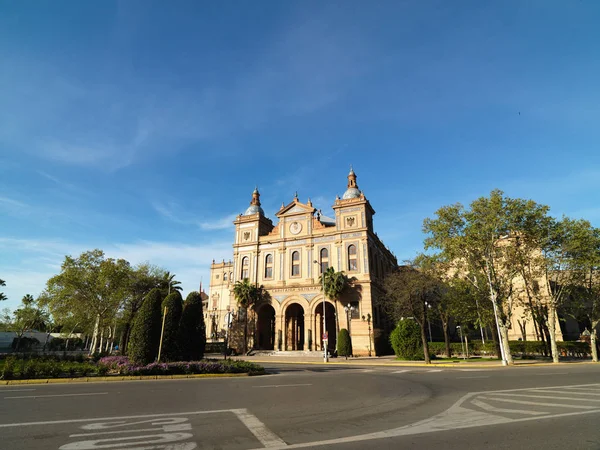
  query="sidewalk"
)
[{"x": 391, "y": 361}]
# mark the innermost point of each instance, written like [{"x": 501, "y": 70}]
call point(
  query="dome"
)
[
  {"x": 253, "y": 209},
  {"x": 351, "y": 192}
]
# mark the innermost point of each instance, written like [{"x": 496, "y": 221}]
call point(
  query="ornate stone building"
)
[{"x": 287, "y": 259}]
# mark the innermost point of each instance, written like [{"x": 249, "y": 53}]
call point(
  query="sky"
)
[{"x": 141, "y": 128}]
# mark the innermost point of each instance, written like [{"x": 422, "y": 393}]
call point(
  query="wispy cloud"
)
[
  {"x": 173, "y": 213},
  {"x": 12, "y": 203}
]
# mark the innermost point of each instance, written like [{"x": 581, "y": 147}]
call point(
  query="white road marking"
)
[
  {"x": 56, "y": 422},
  {"x": 582, "y": 389},
  {"x": 568, "y": 392},
  {"x": 57, "y": 395},
  {"x": 401, "y": 371},
  {"x": 163, "y": 438},
  {"x": 282, "y": 385},
  {"x": 367, "y": 370},
  {"x": 468, "y": 378},
  {"x": 259, "y": 429},
  {"x": 434, "y": 370},
  {"x": 549, "y": 397},
  {"x": 491, "y": 408},
  {"x": 525, "y": 402},
  {"x": 551, "y": 373},
  {"x": 472, "y": 370},
  {"x": 16, "y": 390},
  {"x": 168, "y": 428}
]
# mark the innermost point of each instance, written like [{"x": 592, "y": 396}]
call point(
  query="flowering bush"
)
[{"x": 121, "y": 365}]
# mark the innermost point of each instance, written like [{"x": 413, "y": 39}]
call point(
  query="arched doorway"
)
[
  {"x": 265, "y": 330},
  {"x": 330, "y": 326},
  {"x": 294, "y": 327}
]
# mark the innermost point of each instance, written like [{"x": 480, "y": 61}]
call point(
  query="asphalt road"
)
[{"x": 314, "y": 406}]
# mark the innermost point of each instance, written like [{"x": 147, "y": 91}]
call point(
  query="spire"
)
[
  {"x": 255, "y": 197},
  {"x": 352, "y": 179},
  {"x": 296, "y": 196},
  {"x": 254, "y": 204},
  {"x": 309, "y": 202}
]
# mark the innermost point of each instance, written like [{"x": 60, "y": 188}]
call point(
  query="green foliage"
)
[
  {"x": 145, "y": 334},
  {"x": 344, "y": 344},
  {"x": 31, "y": 368},
  {"x": 192, "y": 330},
  {"x": 174, "y": 306},
  {"x": 2, "y": 296},
  {"x": 406, "y": 340}
]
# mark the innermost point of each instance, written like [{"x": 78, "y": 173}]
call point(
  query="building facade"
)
[{"x": 288, "y": 257}]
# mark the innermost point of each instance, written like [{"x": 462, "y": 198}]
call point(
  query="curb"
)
[{"x": 121, "y": 378}]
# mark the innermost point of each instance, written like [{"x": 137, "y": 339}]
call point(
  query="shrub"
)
[
  {"x": 192, "y": 332},
  {"x": 344, "y": 344},
  {"x": 406, "y": 340},
  {"x": 145, "y": 333},
  {"x": 8, "y": 371},
  {"x": 174, "y": 305}
]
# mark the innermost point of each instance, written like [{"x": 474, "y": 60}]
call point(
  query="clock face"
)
[{"x": 295, "y": 227}]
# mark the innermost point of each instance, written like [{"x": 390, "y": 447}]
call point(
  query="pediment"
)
[{"x": 294, "y": 208}]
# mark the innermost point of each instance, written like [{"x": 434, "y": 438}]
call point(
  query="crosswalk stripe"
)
[
  {"x": 567, "y": 392},
  {"x": 491, "y": 408},
  {"x": 523, "y": 402},
  {"x": 401, "y": 371},
  {"x": 434, "y": 370},
  {"x": 582, "y": 388}
]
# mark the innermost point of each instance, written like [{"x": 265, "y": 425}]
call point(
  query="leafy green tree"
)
[
  {"x": 406, "y": 340},
  {"x": 90, "y": 289},
  {"x": 2, "y": 296},
  {"x": 145, "y": 333},
  {"x": 408, "y": 292},
  {"x": 248, "y": 296},
  {"x": 6, "y": 323},
  {"x": 344, "y": 344},
  {"x": 192, "y": 330},
  {"x": 173, "y": 305},
  {"x": 169, "y": 283}
]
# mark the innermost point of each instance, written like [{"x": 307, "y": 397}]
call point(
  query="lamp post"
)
[
  {"x": 368, "y": 319},
  {"x": 228, "y": 320},
  {"x": 213, "y": 316},
  {"x": 428, "y": 322},
  {"x": 349, "y": 309},
  {"x": 461, "y": 341},
  {"x": 325, "y": 336}
]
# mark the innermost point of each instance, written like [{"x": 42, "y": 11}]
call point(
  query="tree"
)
[
  {"x": 344, "y": 344},
  {"x": 335, "y": 284},
  {"x": 248, "y": 295},
  {"x": 408, "y": 291},
  {"x": 169, "y": 283},
  {"x": 89, "y": 289},
  {"x": 406, "y": 340},
  {"x": 173, "y": 305},
  {"x": 29, "y": 317},
  {"x": 145, "y": 333},
  {"x": 480, "y": 240},
  {"x": 6, "y": 323},
  {"x": 142, "y": 279},
  {"x": 192, "y": 330},
  {"x": 2, "y": 296}
]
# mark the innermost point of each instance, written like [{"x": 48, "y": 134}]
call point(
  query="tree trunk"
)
[
  {"x": 337, "y": 323},
  {"x": 125, "y": 338},
  {"x": 446, "y": 339},
  {"x": 593, "y": 344},
  {"x": 246, "y": 332},
  {"x": 425, "y": 345},
  {"x": 552, "y": 329},
  {"x": 507, "y": 354},
  {"x": 94, "y": 343},
  {"x": 496, "y": 340}
]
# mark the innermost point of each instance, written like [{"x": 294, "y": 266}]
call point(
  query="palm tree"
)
[
  {"x": 248, "y": 296},
  {"x": 2, "y": 296},
  {"x": 335, "y": 284},
  {"x": 169, "y": 282}
]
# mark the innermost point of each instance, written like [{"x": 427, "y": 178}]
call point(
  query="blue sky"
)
[{"x": 142, "y": 127}]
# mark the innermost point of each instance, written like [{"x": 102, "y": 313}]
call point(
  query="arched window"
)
[
  {"x": 352, "y": 258},
  {"x": 231, "y": 276},
  {"x": 245, "y": 264},
  {"x": 269, "y": 266},
  {"x": 324, "y": 255},
  {"x": 295, "y": 264},
  {"x": 225, "y": 276}
]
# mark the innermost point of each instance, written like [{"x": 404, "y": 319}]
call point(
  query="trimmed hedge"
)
[
  {"x": 406, "y": 340},
  {"x": 192, "y": 332},
  {"x": 170, "y": 344},
  {"x": 567, "y": 348},
  {"x": 145, "y": 333},
  {"x": 23, "y": 369},
  {"x": 344, "y": 344}
]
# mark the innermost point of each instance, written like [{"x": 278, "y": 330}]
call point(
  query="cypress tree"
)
[
  {"x": 174, "y": 305},
  {"x": 145, "y": 333},
  {"x": 344, "y": 347},
  {"x": 192, "y": 331}
]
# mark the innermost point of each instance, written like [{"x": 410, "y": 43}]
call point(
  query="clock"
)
[{"x": 295, "y": 227}]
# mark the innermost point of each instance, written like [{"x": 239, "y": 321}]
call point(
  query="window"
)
[
  {"x": 269, "y": 266},
  {"x": 352, "y": 258},
  {"x": 225, "y": 276},
  {"x": 217, "y": 277},
  {"x": 245, "y": 263},
  {"x": 231, "y": 276},
  {"x": 295, "y": 264},
  {"x": 324, "y": 259}
]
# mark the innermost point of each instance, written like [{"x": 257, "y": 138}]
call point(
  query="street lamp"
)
[
  {"x": 214, "y": 327},
  {"x": 349, "y": 308},
  {"x": 325, "y": 336},
  {"x": 428, "y": 322},
  {"x": 461, "y": 341},
  {"x": 228, "y": 321}
]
